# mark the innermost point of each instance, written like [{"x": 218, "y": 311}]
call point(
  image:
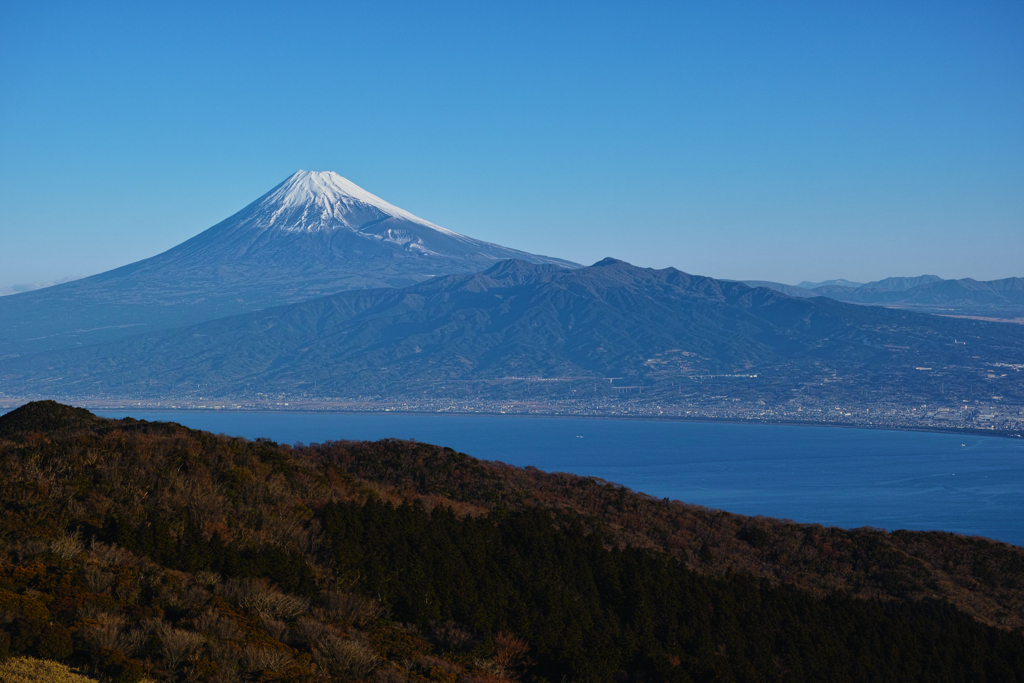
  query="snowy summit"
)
[
  {"x": 311, "y": 201},
  {"x": 320, "y": 217}
]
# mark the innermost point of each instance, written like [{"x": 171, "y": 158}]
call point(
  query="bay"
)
[{"x": 827, "y": 475}]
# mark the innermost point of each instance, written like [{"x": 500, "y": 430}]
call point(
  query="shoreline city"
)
[{"x": 979, "y": 419}]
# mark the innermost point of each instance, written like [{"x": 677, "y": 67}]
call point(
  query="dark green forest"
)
[{"x": 147, "y": 550}]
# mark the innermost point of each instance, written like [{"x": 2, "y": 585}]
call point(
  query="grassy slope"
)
[{"x": 30, "y": 670}]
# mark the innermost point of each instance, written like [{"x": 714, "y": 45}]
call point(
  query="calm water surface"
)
[{"x": 833, "y": 476}]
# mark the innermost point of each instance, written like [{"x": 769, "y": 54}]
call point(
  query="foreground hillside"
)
[{"x": 132, "y": 548}]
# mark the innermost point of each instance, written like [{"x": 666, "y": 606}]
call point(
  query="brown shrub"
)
[
  {"x": 258, "y": 659},
  {"x": 207, "y": 579},
  {"x": 96, "y": 579},
  {"x": 104, "y": 632},
  {"x": 94, "y": 611},
  {"x": 275, "y": 627},
  {"x": 349, "y": 608},
  {"x": 111, "y": 555},
  {"x": 390, "y": 675},
  {"x": 66, "y": 546},
  {"x": 261, "y": 597},
  {"x": 178, "y": 645},
  {"x": 218, "y": 625},
  {"x": 342, "y": 657},
  {"x": 133, "y": 640},
  {"x": 451, "y": 636},
  {"x": 435, "y": 669},
  {"x": 226, "y": 656},
  {"x": 309, "y": 631},
  {"x": 188, "y": 596},
  {"x": 509, "y": 653}
]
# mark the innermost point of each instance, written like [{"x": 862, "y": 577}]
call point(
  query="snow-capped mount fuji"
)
[
  {"x": 316, "y": 233},
  {"x": 329, "y": 218},
  {"x": 311, "y": 201}
]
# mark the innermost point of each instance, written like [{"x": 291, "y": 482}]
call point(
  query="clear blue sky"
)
[{"x": 767, "y": 140}]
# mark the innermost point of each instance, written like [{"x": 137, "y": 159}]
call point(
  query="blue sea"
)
[{"x": 828, "y": 475}]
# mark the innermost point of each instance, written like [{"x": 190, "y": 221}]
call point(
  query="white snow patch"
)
[{"x": 311, "y": 201}]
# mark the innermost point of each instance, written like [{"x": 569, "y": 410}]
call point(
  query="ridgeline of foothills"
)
[
  {"x": 322, "y": 294},
  {"x": 133, "y": 549},
  {"x": 469, "y": 335}
]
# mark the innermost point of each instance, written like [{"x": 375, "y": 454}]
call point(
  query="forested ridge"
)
[
  {"x": 465, "y": 336},
  {"x": 133, "y": 549}
]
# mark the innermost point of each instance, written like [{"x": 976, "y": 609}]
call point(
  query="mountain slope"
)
[
  {"x": 1008, "y": 292},
  {"x": 314, "y": 234},
  {"x": 789, "y": 290},
  {"x": 897, "y": 284},
  {"x": 520, "y": 320}
]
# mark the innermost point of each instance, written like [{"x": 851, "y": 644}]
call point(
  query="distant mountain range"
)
[
  {"x": 829, "y": 283},
  {"x": 32, "y": 286},
  {"x": 928, "y": 293},
  {"x": 323, "y": 289},
  {"x": 516, "y": 320},
  {"x": 314, "y": 234}
]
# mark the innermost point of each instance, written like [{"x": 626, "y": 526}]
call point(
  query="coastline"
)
[{"x": 379, "y": 409}]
